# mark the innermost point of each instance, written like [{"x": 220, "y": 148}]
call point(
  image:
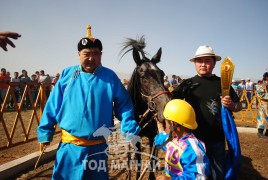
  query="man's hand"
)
[
  {"x": 228, "y": 103},
  {"x": 4, "y": 39}
]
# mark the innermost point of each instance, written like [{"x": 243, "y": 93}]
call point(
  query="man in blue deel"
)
[{"x": 82, "y": 101}]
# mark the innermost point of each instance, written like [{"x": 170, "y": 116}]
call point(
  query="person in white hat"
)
[
  {"x": 234, "y": 85},
  {"x": 249, "y": 88},
  {"x": 203, "y": 93}
]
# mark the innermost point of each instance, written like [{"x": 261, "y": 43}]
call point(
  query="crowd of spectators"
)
[
  {"x": 19, "y": 90},
  {"x": 245, "y": 85},
  {"x": 173, "y": 83},
  {"x": 41, "y": 77},
  {"x": 238, "y": 85}
]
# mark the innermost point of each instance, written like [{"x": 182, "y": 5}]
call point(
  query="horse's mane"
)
[
  {"x": 134, "y": 83},
  {"x": 131, "y": 44},
  {"x": 137, "y": 46}
]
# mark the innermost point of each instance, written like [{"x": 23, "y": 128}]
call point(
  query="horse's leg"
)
[{"x": 138, "y": 161}]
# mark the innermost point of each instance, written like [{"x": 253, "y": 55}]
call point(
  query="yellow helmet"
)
[{"x": 181, "y": 112}]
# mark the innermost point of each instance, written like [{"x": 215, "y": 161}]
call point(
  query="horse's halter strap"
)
[
  {"x": 156, "y": 95},
  {"x": 151, "y": 107}
]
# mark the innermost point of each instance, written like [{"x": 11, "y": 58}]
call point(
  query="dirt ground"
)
[
  {"x": 254, "y": 164},
  {"x": 254, "y": 152}
]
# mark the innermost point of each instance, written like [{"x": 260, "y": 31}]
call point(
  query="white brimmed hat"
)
[{"x": 205, "y": 50}]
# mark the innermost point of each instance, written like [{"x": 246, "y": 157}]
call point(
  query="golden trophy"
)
[{"x": 227, "y": 71}]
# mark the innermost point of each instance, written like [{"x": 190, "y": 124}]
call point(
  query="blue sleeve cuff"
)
[
  {"x": 161, "y": 139},
  {"x": 44, "y": 136}
]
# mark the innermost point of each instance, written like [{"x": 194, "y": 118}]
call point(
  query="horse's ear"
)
[
  {"x": 157, "y": 56},
  {"x": 136, "y": 56}
]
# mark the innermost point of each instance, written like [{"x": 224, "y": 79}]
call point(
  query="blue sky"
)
[{"x": 51, "y": 30}]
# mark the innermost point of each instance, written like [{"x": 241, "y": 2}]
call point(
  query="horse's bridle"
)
[{"x": 151, "y": 107}]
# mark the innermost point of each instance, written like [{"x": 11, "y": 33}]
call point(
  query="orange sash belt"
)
[{"x": 68, "y": 138}]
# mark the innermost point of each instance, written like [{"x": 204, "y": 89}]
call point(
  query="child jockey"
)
[{"x": 185, "y": 154}]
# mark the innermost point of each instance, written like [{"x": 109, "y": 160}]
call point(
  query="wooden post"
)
[{"x": 42, "y": 99}]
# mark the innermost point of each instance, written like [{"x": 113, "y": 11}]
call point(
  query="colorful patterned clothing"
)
[
  {"x": 262, "y": 118},
  {"x": 186, "y": 158}
]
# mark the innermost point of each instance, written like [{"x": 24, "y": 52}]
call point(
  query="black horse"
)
[{"x": 148, "y": 93}]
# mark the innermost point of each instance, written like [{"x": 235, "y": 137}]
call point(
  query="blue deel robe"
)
[
  {"x": 81, "y": 103},
  {"x": 234, "y": 157}
]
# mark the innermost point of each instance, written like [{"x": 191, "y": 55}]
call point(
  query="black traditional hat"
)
[{"x": 89, "y": 41}]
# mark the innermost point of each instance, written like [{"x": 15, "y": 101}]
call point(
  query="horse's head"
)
[{"x": 147, "y": 85}]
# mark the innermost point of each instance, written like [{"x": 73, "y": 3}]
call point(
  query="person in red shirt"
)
[
  {"x": 56, "y": 78},
  {"x": 4, "y": 79}
]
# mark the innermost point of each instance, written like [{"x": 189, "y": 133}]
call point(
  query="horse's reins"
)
[{"x": 151, "y": 108}]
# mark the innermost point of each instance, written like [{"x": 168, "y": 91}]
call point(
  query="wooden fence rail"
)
[
  {"x": 19, "y": 121},
  {"x": 19, "y": 109},
  {"x": 250, "y": 103}
]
